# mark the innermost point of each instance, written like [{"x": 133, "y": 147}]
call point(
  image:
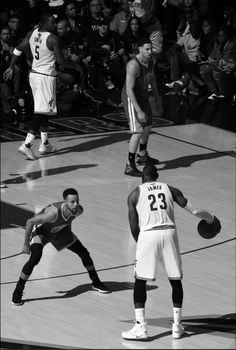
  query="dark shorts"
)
[
  {"x": 60, "y": 240},
  {"x": 131, "y": 113}
]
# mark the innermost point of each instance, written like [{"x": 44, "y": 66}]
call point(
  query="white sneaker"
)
[
  {"x": 45, "y": 149},
  {"x": 212, "y": 97},
  {"x": 28, "y": 152},
  {"x": 172, "y": 84},
  {"x": 139, "y": 331},
  {"x": 177, "y": 330}
]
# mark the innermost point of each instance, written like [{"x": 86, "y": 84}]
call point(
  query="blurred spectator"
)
[
  {"x": 93, "y": 17},
  {"x": 184, "y": 54},
  {"x": 56, "y": 6},
  {"x": 6, "y": 50},
  {"x": 226, "y": 80},
  {"x": 131, "y": 36},
  {"x": 120, "y": 19},
  {"x": 73, "y": 49},
  {"x": 189, "y": 12},
  {"x": 229, "y": 20},
  {"x": 105, "y": 65},
  {"x": 104, "y": 38},
  {"x": 146, "y": 11},
  {"x": 173, "y": 13},
  {"x": 224, "y": 46},
  {"x": 207, "y": 39},
  {"x": 70, "y": 12},
  {"x": 16, "y": 28},
  {"x": 31, "y": 12}
]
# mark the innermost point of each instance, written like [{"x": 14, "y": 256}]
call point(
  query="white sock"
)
[
  {"x": 29, "y": 138},
  {"x": 140, "y": 315},
  {"x": 44, "y": 137},
  {"x": 177, "y": 313}
]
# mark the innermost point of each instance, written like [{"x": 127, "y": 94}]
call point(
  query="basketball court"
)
[{"x": 60, "y": 310}]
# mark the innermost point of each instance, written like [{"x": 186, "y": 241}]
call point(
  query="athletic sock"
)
[
  {"x": 44, "y": 138},
  {"x": 177, "y": 313},
  {"x": 131, "y": 158},
  {"x": 140, "y": 315},
  {"x": 142, "y": 149},
  {"x": 29, "y": 140}
]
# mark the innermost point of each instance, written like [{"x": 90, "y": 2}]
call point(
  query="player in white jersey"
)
[
  {"x": 152, "y": 224},
  {"x": 46, "y": 51}
]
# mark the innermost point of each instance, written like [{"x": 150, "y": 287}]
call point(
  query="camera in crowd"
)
[{"x": 99, "y": 55}]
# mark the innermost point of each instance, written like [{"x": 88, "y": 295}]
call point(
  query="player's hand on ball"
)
[{"x": 216, "y": 223}]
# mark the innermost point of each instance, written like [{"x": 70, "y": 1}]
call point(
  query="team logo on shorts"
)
[{"x": 51, "y": 103}]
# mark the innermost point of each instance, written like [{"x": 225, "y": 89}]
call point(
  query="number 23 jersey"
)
[{"x": 155, "y": 206}]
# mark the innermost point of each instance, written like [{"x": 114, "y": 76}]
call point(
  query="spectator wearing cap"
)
[{"x": 104, "y": 38}]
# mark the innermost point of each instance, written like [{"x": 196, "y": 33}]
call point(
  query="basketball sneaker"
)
[
  {"x": 132, "y": 170},
  {"x": 28, "y": 152},
  {"x": 46, "y": 149},
  {"x": 177, "y": 330},
  {"x": 17, "y": 297},
  {"x": 100, "y": 287},
  {"x": 146, "y": 159},
  {"x": 138, "y": 332}
]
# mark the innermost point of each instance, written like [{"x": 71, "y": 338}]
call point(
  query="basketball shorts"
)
[
  {"x": 131, "y": 113},
  {"x": 44, "y": 93},
  {"x": 60, "y": 240},
  {"x": 156, "y": 246}
]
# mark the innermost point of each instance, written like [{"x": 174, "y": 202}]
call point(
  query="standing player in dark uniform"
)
[
  {"x": 53, "y": 225},
  {"x": 139, "y": 75}
]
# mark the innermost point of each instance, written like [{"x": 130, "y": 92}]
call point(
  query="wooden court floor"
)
[{"x": 60, "y": 309}]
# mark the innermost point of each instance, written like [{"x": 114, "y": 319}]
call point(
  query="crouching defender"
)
[{"x": 53, "y": 225}]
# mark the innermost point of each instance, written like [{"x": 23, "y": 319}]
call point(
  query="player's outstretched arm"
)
[{"x": 187, "y": 205}]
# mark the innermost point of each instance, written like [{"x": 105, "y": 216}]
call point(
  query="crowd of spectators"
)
[{"x": 194, "y": 47}]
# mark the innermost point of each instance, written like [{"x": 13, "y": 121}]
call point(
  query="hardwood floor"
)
[{"x": 60, "y": 309}]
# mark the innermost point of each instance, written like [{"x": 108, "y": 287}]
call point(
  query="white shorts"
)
[
  {"x": 44, "y": 93},
  {"x": 158, "y": 246}
]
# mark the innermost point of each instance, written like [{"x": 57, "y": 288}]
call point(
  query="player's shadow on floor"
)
[
  {"x": 207, "y": 324},
  {"x": 114, "y": 286},
  {"x": 34, "y": 175},
  {"x": 196, "y": 325},
  {"x": 187, "y": 161}
]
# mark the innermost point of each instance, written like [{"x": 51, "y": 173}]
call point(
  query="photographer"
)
[
  {"x": 102, "y": 86},
  {"x": 106, "y": 39},
  {"x": 74, "y": 50}
]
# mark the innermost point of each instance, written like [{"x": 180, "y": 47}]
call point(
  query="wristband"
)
[{"x": 17, "y": 52}]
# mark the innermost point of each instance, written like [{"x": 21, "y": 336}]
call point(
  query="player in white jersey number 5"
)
[
  {"x": 152, "y": 224},
  {"x": 46, "y": 51}
]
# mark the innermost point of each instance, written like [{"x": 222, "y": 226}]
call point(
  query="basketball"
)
[{"x": 208, "y": 231}]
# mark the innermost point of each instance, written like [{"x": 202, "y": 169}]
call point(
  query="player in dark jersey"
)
[
  {"x": 139, "y": 77},
  {"x": 53, "y": 225}
]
